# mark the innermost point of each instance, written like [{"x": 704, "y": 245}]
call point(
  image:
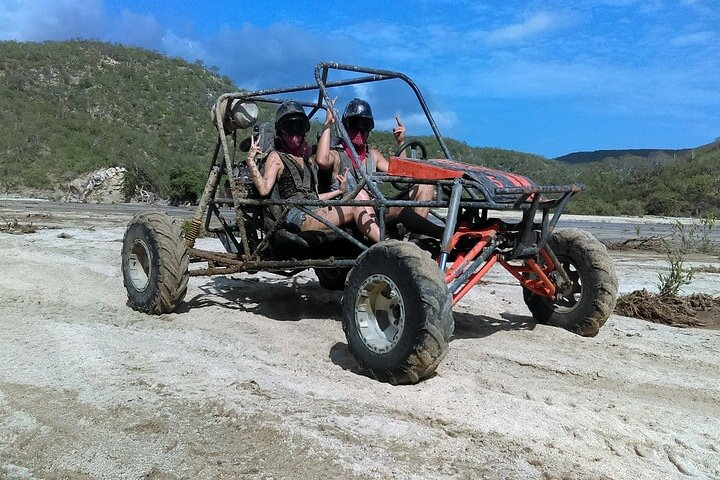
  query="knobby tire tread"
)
[
  {"x": 431, "y": 347},
  {"x": 173, "y": 260},
  {"x": 594, "y": 254}
]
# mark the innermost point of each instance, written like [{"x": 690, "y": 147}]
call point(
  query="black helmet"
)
[
  {"x": 360, "y": 110},
  {"x": 290, "y": 111}
]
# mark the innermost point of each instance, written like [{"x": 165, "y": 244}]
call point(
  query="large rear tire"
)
[
  {"x": 591, "y": 300},
  {"x": 154, "y": 263},
  {"x": 397, "y": 313}
]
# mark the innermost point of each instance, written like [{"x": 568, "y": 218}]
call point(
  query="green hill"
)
[
  {"x": 687, "y": 185},
  {"x": 70, "y": 107},
  {"x": 67, "y": 108}
]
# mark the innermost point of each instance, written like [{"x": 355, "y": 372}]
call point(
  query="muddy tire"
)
[
  {"x": 332, "y": 278},
  {"x": 397, "y": 313},
  {"x": 154, "y": 263},
  {"x": 594, "y": 292}
]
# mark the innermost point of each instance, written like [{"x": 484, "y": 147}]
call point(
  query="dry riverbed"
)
[{"x": 252, "y": 378}]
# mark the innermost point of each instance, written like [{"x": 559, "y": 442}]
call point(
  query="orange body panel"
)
[{"x": 402, "y": 167}]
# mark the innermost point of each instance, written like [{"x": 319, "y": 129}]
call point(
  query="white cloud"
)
[
  {"x": 279, "y": 55},
  {"x": 37, "y": 20},
  {"x": 608, "y": 87},
  {"x": 255, "y": 57},
  {"x": 182, "y": 47},
  {"x": 364, "y": 91},
  {"x": 417, "y": 123},
  {"x": 651, "y": 7},
  {"x": 136, "y": 29},
  {"x": 534, "y": 25},
  {"x": 691, "y": 39}
]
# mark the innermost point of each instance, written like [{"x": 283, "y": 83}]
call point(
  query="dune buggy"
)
[{"x": 398, "y": 293}]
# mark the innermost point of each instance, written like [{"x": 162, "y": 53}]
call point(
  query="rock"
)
[{"x": 104, "y": 185}]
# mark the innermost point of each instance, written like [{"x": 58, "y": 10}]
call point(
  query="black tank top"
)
[{"x": 297, "y": 181}]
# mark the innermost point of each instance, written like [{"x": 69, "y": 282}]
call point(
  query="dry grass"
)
[
  {"x": 14, "y": 226},
  {"x": 696, "y": 310},
  {"x": 647, "y": 244}
]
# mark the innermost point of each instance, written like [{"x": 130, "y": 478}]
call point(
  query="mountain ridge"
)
[{"x": 579, "y": 157}]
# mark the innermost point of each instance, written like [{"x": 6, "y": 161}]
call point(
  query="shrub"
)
[
  {"x": 186, "y": 184},
  {"x": 669, "y": 285},
  {"x": 634, "y": 208},
  {"x": 663, "y": 203}
]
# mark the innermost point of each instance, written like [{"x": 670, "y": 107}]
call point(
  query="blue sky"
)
[{"x": 546, "y": 77}]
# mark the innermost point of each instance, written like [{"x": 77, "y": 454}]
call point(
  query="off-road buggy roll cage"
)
[
  {"x": 468, "y": 192},
  {"x": 398, "y": 293}
]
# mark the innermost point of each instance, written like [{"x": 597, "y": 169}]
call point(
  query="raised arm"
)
[
  {"x": 325, "y": 157},
  {"x": 399, "y": 134},
  {"x": 273, "y": 169},
  {"x": 399, "y": 131}
]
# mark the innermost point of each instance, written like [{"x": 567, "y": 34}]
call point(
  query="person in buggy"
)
[
  {"x": 359, "y": 122},
  {"x": 290, "y": 168}
]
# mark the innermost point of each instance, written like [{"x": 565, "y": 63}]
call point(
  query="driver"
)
[{"x": 358, "y": 120}]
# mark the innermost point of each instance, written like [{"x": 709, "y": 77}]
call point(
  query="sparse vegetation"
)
[
  {"x": 677, "y": 186},
  {"x": 697, "y": 310},
  {"x": 669, "y": 285},
  {"x": 667, "y": 305},
  {"x": 68, "y": 108},
  {"x": 14, "y": 226}
]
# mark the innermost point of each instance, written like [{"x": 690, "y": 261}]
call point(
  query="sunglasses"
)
[
  {"x": 359, "y": 123},
  {"x": 293, "y": 128}
]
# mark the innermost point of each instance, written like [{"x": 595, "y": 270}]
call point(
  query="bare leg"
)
[
  {"x": 420, "y": 193},
  {"x": 335, "y": 215},
  {"x": 364, "y": 218}
]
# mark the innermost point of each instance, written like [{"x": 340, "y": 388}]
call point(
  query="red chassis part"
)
[{"x": 531, "y": 274}]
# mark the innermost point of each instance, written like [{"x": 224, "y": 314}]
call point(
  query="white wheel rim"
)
[
  {"x": 570, "y": 301},
  {"x": 139, "y": 265},
  {"x": 379, "y": 313}
]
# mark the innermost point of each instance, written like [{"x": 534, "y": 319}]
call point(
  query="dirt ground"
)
[{"x": 252, "y": 378}]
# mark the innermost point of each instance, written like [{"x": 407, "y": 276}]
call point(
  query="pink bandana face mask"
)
[
  {"x": 296, "y": 145},
  {"x": 358, "y": 137},
  {"x": 293, "y": 142}
]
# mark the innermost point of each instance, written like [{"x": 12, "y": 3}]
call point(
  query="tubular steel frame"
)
[{"x": 466, "y": 195}]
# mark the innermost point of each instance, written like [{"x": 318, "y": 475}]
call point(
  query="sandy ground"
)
[{"x": 252, "y": 379}]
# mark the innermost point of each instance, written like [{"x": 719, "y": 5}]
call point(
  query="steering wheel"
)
[
  {"x": 412, "y": 144},
  {"x": 405, "y": 146}
]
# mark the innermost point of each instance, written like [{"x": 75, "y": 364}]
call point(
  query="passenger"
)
[
  {"x": 290, "y": 167},
  {"x": 358, "y": 121}
]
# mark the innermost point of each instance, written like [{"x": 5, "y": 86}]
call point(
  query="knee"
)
[
  {"x": 424, "y": 192},
  {"x": 362, "y": 195}
]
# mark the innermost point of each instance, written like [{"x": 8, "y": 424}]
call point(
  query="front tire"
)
[
  {"x": 397, "y": 313},
  {"x": 154, "y": 263},
  {"x": 591, "y": 300}
]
